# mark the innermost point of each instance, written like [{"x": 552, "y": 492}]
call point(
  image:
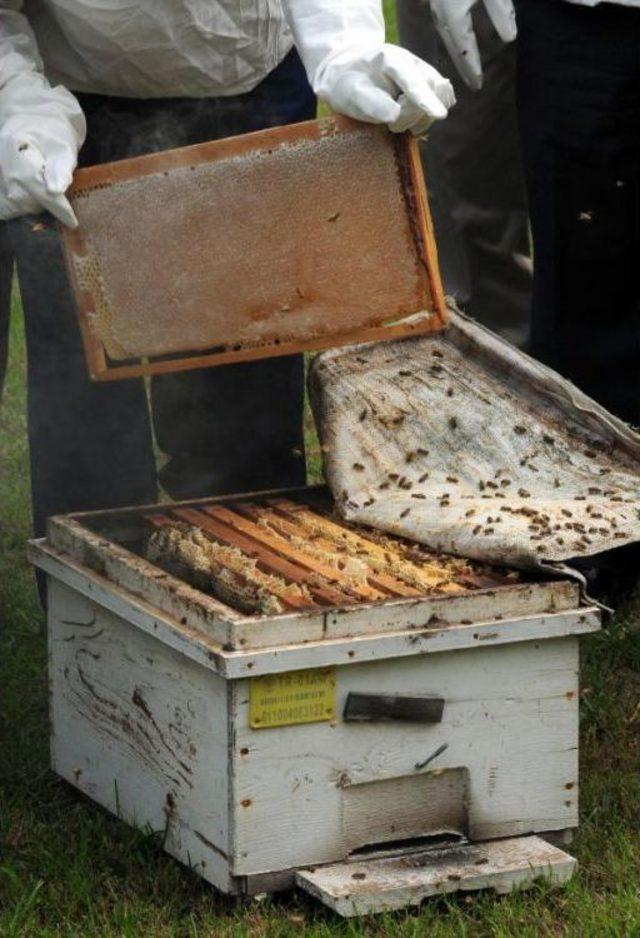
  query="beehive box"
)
[{"x": 335, "y": 746}]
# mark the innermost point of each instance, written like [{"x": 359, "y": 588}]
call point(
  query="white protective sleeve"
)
[
  {"x": 353, "y": 70},
  {"x": 41, "y": 127},
  {"x": 453, "y": 19}
]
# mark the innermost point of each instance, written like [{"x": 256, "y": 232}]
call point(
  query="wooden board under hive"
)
[{"x": 273, "y": 555}]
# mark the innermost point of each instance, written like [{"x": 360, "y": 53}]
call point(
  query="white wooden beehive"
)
[{"x": 448, "y": 719}]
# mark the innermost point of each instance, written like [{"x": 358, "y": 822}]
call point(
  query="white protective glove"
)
[
  {"x": 454, "y": 24},
  {"x": 353, "y": 70},
  {"x": 41, "y": 128}
]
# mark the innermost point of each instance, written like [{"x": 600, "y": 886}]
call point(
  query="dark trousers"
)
[
  {"x": 223, "y": 429},
  {"x": 579, "y": 106},
  {"x": 475, "y": 178},
  {"x": 6, "y": 274}
]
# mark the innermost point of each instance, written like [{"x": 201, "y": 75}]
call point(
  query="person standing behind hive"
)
[{"x": 117, "y": 79}]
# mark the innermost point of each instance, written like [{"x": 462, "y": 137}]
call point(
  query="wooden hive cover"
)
[{"x": 288, "y": 239}]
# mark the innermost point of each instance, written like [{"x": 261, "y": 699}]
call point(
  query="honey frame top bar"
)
[
  {"x": 98, "y": 548},
  {"x": 303, "y": 264}
]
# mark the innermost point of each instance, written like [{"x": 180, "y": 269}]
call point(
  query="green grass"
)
[{"x": 66, "y": 868}]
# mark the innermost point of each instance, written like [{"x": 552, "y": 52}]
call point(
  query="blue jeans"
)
[{"x": 224, "y": 429}]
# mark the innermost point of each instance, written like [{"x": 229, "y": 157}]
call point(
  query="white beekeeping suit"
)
[
  {"x": 454, "y": 23},
  {"x": 183, "y": 48}
]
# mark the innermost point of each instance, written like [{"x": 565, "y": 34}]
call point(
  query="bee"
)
[
  {"x": 403, "y": 514},
  {"x": 453, "y": 423},
  {"x": 358, "y": 467},
  {"x": 519, "y": 429},
  {"x": 423, "y": 477}
]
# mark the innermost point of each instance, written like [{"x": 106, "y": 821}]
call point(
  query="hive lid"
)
[{"x": 293, "y": 238}]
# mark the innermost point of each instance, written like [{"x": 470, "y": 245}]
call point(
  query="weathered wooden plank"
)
[
  {"x": 408, "y": 644},
  {"x": 510, "y": 720},
  {"x": 394, "y": 883},
  {"x": 254, "y": 646},
  {"x": 140, "y": 577},
  {"x": 504, "y": 602},
  {"x": 133, "y": 730}
]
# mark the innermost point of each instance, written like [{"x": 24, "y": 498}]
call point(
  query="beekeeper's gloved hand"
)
[
  {"x": 454, "y": 24},
  {"x": 353, "y": 70},
  {"x": 36, "y": 172},
  {"x": 41, "y": 128}
]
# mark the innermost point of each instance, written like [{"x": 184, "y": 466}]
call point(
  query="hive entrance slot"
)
[{"x": 410, "y": 845}]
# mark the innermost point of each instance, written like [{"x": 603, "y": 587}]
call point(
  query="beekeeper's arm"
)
[
  {"x": 453, "y": 21},
  {"x": 352, "y": 69},
  {"x": 41, "y": 127}
]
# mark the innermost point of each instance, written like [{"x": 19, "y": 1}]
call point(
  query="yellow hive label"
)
[{"x": 294, "y": 697}]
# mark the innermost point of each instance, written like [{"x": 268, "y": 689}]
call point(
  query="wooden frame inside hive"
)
[
  {"x": 286, "y": 240},
  {"x": 277, "y": 554},
  {"x": 110, "y": 547}
]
